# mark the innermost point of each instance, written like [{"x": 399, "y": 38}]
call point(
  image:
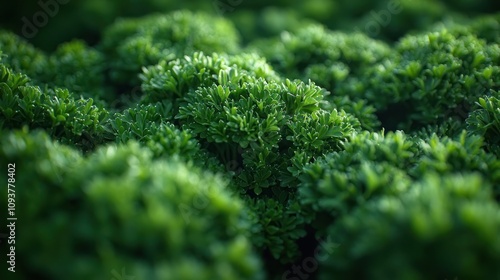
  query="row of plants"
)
[{"x": 174, "y": 151}]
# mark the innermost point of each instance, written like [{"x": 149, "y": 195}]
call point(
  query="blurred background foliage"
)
[
  {"x": 307, "y": 160},
  {"x": 85, "y": 19}
]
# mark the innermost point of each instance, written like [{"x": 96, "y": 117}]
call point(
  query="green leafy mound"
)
[
  {"x": 374, "y": 165},
  {"x": 151, "y": 126},
  {"x": 78, "y": 68},
  {"x": 327, "y": 57},
  {"x": 73, "y": 65},
  {"x": 485, "y": 121},
  {"x": 70, "y": 119},
  {"x": 442, "y": 227},
  {"x": 462, "y": 154},
  {"x": 259, "y": 129},
  {"x": 19, "y": 55},
  {"x": 134, "y": 43},
  {"x": 171, "y": 80},
  {"x": 429, "y": 78},
  {"x": 484, "y": 27},
  {"x": 119, "y": 208},
  {"x": 370, "y": 165}
]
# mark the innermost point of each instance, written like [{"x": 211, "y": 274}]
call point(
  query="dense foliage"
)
[
  {"x": 114, "y": 208},
  {"x": 172, "y": 147}
]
